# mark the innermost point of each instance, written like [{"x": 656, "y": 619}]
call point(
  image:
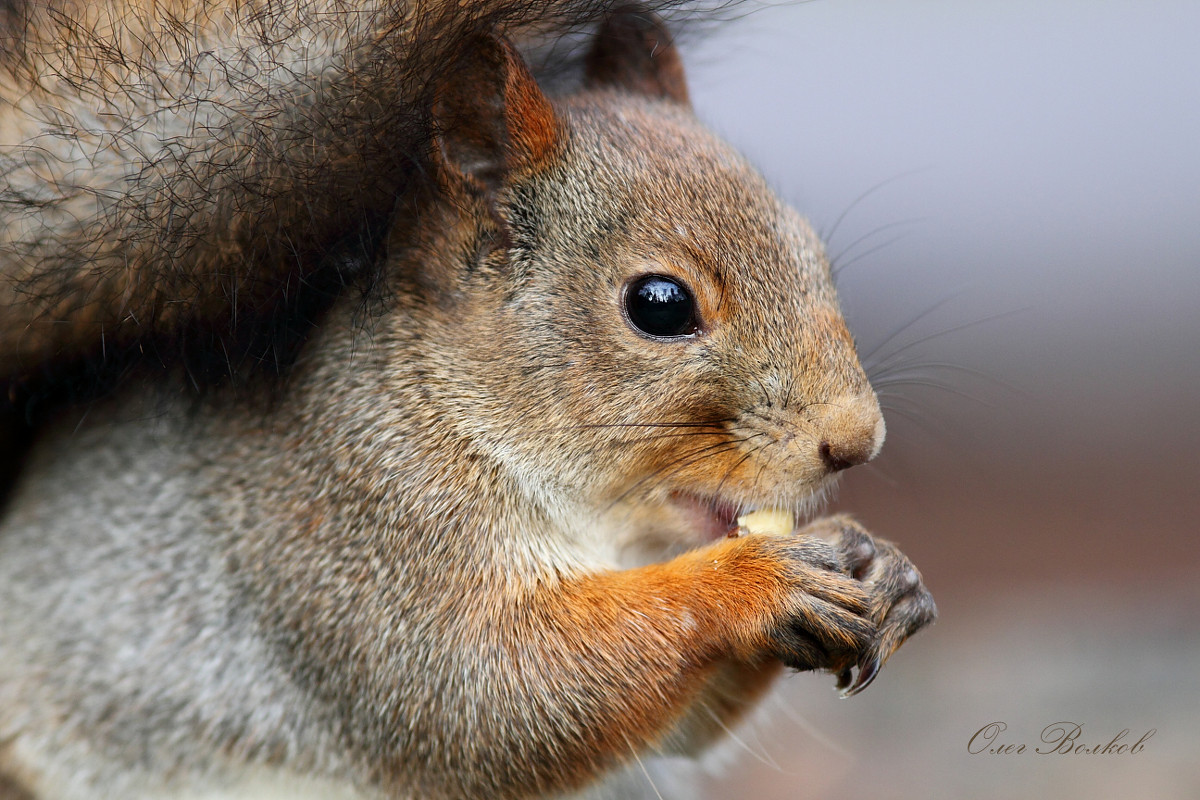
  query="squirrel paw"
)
[
  {"x": 900, "y": 603},
  {"x": 859, "y": 599}
]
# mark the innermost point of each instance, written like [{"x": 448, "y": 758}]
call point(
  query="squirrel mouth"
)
[
  {"x": 712, "y": 517},
  {"x": 715, "y": 517},
  {"x": 718, "y": 517}
]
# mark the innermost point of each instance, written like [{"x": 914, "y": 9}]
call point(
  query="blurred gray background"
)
[{"x": 1011, "y": 195}]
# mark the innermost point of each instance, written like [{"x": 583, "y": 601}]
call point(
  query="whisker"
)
[
  {"x": 828, "y": 236},
  {"x": 641, "y": 439},
  {"x": 762, "y": 756},
  {"x": 900, "y": 371},
  {"x": 901, "y": 367},
  {"x": 890, "y": 357},
  {"x": 881, "y": 246},
  {"x": 945, "y": 387},
  {"x": 812, "y": 730},
  {"x": 915, "y": 418},
  {"x": 645, "y": 772},
  {"x": 680, "y": 463},
  {"x": 763, "y": 388},
  {"x": 737, "y": 464},
  {"x": 689, "y": 459},
  {"x": 888, "y": 403},
  {"x": 706, "y": 427},
  {"x": 835, "y": 262},
  {"x": 719, "y": 423},
  {"x": 922, "y": 315},
  {"x": 758, "y": 472},
  {"x": 882, "y": 474}
]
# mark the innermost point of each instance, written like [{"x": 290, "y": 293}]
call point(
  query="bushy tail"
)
[{"x": 175, "y": 173}]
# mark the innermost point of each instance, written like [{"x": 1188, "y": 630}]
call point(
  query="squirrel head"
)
[{"x": 629, "y": 318}]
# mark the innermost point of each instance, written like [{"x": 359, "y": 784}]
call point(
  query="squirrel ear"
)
[
  {"x": 633, "y": 50},
  {"x": 490, "y": 117}
]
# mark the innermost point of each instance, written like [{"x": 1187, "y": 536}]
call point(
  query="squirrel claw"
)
[{"x": 868, "y": 668}]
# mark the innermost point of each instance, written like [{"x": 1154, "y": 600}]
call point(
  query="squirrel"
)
[{"x": 479, "y": 536}]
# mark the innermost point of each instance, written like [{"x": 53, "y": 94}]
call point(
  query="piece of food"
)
[{"x": 771, "y": 521}]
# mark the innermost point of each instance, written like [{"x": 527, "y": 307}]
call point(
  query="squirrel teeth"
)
[{"x": 770, "y": 521}]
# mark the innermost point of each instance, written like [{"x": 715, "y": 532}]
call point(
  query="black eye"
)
[{"x": 660, "y": 307}]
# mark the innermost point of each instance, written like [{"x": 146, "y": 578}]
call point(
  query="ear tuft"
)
[
  {"x": 490, "y": 117},
  {"x": 634, "y": 51}
]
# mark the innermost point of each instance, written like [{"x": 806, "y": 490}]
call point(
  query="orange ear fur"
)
[{"x": 491, "y": 117}]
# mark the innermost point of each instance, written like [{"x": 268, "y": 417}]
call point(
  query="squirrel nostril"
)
[{"x": 843, "y": 457}]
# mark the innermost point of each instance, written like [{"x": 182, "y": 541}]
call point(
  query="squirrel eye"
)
[{"x": 660, "y": 307}]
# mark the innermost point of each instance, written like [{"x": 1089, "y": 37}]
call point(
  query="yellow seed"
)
[{"x": 772, "y": 521}]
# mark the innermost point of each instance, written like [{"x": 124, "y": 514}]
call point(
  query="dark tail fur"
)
[{"x": 186, "y": 186}]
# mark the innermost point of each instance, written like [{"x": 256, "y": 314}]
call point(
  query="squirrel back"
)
[{"x": 481, "y": 538}]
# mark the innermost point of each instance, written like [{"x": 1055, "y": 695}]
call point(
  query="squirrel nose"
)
[
  {"x": 846, "y": 454},
  {"x": 851, "y": 437}
]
